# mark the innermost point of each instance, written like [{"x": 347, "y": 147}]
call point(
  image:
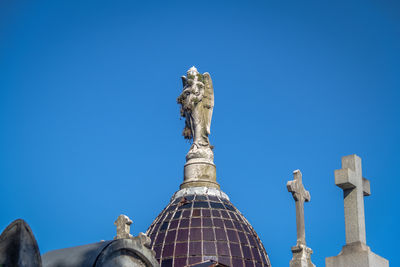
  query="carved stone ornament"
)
[
  {"x": 301, "y": 253},
  {"x": 123, "y": 224},
  {"x": 197, "y": 103},
  {"x": 355, "y": 187}
]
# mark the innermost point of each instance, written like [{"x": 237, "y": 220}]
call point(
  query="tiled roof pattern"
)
[{"x": 203, "y": 227}]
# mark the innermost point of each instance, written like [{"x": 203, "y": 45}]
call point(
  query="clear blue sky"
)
[{"x": 90, "y": 127}]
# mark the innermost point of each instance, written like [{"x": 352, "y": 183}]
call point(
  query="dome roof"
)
[{"x": 201, "y": 225}]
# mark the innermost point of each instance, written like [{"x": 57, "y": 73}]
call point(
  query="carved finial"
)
[
  {"x": 144, "y": 240},
  {"x": 123, "y": 227}
]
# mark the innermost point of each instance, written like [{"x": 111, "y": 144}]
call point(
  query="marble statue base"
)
[
  {"x": 356, "y": 254},
  {"x": 199, "y": 173}
]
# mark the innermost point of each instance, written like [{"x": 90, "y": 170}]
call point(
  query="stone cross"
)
[
  {"x": 300, "y": 195},
  {"x": 301, "y": 253},
  {"x": 355, "y": 253},
  {"x": 355, "y": 187},
  {"x": 123, "y": 227}
]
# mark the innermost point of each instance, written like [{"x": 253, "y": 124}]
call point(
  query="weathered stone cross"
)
[
  {"x": 355, "y": 253},
  {"x": 301, "y": 253},
  {"x": 123, "y": 227},
  {"x": 355, "y": 187},
  {"x": 300, "y": 194}
]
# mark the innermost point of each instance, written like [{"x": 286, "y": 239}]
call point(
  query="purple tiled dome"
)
[{"x": 197, "y": 228}]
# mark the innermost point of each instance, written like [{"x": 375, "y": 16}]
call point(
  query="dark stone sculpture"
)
[
  {"x": 125, "y": 252},
  {"x": 18, "y": 246}
]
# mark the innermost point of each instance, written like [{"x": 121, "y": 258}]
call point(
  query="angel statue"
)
[{"x": 197, "y": 103}]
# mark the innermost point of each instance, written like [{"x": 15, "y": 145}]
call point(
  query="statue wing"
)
[
  {"x": 208, "y": 100},
  {"x": 184, "y": 81}
]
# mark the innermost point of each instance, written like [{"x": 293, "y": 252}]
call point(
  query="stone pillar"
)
[{"x": 355, "y": 253}]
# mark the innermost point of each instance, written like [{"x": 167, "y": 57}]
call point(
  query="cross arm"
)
[
  {"x": 292, "y": 187},
  {"x": 347, "y": 179},
  {"x": 366, "y": 187},
  {"x": 307, "y": 196},
  {"x": 298, "y": 191}
]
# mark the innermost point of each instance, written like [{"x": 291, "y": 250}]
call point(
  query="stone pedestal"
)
[
  {"x": 356, "y": 254},
  {"x": 199, "y": 173},
  {"x": 301, "y": 257}
]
